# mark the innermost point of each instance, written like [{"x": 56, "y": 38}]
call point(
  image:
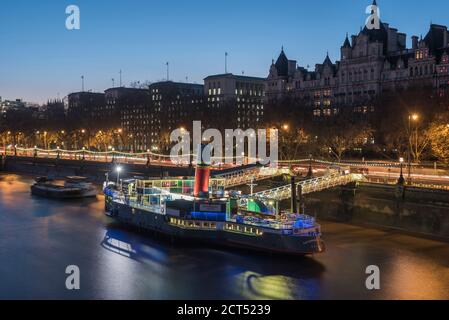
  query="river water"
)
[{"x": 39, "y": 238}]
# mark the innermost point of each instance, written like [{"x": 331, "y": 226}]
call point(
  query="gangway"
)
[
  {"x": 245, "y": 176},
  {"x": 310, "y": 186}
]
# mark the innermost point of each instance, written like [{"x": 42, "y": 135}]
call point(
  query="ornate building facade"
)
[{"x": 372, "y": 63}]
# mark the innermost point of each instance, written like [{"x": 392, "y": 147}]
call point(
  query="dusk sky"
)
[{"x": 40, "y": 58}]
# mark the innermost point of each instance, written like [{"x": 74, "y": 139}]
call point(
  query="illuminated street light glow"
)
[{"x": 118, "y": 169}]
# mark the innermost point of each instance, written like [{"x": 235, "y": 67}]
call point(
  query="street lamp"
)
[
  {"x": 118, "y": 169},
  {"x": 401, "y": 179},
  {"x": 310, "y": 172},
  {"x": 411, "y": 117}
]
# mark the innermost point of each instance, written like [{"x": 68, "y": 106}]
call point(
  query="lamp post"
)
[
  {"x": 148, "y": 157},
  {"x": 120, "y": 138},
  {"x": 118, "y": 169},
  {"x": 401, "y": 179},
  {"x": 310, "y": 173},
  {"x": 45, "y": 140},
  {"x": 412, "y": 117}
]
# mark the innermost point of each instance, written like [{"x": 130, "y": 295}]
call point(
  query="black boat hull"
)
[{"x": 267, "y": 243}]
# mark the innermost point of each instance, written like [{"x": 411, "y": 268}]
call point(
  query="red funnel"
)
[{"x": 202, "y": 172}]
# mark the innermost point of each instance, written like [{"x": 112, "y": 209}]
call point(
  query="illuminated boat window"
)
[
  {"x": 201, "y": 225},
  {"x": 243, "y": 230}
]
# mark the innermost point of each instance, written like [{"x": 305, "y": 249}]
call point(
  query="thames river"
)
[{"x": 39, "y": 238}]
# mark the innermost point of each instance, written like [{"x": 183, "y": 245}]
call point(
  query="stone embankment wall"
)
[{"x": 416, "y": 210}]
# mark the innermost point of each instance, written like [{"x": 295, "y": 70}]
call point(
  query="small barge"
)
[{"x": 70, "y": 188}]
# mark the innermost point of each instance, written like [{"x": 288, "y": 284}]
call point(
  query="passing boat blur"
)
[{"x": 72, "y": 187}]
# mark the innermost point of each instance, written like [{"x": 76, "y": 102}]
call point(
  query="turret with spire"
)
[
  {"x": 346, "y": 49},
  {"x": 282, "y": 64},
  {"x": 327, "y": 60},
  {"x": 346, "y": 44}
]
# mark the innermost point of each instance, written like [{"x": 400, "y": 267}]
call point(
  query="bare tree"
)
[{"x": 339, "y": 138}]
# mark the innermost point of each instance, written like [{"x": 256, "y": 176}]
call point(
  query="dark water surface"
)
[{"x": 39, "y": 238}]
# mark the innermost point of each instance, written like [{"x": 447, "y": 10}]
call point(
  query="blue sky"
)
[{"x": 40, "y": 58}]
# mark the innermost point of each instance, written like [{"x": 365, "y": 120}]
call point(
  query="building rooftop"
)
[
  {"x": 177, "y": 84},
  {"x": 238, "y": 77}
]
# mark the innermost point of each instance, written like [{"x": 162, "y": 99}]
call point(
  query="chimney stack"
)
[
  {"x": 415, "y": 42},
  {"x": 446, "y": 36},
  {"x": 202, "y": 172}
]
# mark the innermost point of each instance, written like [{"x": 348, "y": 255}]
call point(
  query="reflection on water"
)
[
  {"x": 255, "y": 277},
  {"x": 40, "y": 237},
  {"x": 257, "y": 286},
  {"x": 416, "y": 279},
  {"x": 117, "y": 241}
]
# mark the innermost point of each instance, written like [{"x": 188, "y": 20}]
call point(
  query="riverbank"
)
[{"x": 416, "y": 211}]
